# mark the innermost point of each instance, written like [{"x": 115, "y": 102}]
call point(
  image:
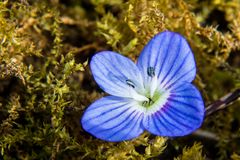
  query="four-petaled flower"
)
[{"x": 155, "y": 94}]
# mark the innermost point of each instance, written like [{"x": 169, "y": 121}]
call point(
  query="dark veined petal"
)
[
  {"x": 116, "y": 74},
  {"x": 113, "y": 119},
  {"x": 170, "y": 56},
  {"x": 182, "y": 114}
]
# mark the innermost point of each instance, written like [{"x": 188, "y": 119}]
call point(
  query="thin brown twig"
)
[
  {"x": 222, "y": 102},
  {"x": 87, "y": 47}
]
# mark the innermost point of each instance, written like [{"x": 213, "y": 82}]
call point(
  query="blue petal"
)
[
  {"x": 182, "y": 114},
  {"x": 116, "y": 74},
  {"x": 113, "y": 119},
  {"x": 171, "y": 57}
]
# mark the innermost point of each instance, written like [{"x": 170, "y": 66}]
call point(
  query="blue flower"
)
[{"x": 155, "y": 94}]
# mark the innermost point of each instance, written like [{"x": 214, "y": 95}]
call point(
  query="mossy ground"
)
[{"x": 45, "y": 82}]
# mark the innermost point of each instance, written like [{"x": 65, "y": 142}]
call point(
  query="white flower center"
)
[{"x": 152, "y": 97}]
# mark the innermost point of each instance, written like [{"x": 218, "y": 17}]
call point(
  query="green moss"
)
[
  {"x": 194, "y": 153},
  {"x": 45, "y": 82}
]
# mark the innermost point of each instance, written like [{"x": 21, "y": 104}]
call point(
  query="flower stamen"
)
[
  {"x": 148, "y": 103},
  {"x": 151, "y": 71},
  {"x": 130, "y": 83}
]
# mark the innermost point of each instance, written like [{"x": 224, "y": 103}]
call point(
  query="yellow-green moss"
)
[
  {"x": 194, "y": 153},
  {"x": 45, "y": 83}
]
